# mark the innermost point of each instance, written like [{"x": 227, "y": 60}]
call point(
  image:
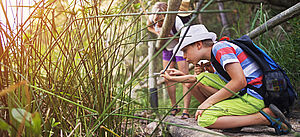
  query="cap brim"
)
[{"x": 184, "y": 14}]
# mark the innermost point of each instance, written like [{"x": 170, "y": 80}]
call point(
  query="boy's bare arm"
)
[
  {"x": 237, "y": 82},
  {"x": 182, "y": 78},
  {"x": 175, "y": 72}
]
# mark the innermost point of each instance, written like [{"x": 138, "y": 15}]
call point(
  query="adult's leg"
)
[
  {"x": 171, "y": 89},
  {"x": 184, "y": 67}
]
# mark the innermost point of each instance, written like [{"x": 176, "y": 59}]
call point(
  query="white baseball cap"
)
[
  {"x": 202, "y": 61},
  {"x": 194, "y": 34}
]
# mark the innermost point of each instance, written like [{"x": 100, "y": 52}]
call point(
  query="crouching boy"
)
[{"x": 219, "y": 108}]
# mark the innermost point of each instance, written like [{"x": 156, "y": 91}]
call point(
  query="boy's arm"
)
[
  {"x": 182, "y": 78},
  {"x": 237, "y": 82},
  {"x": 175, "y": 72}
]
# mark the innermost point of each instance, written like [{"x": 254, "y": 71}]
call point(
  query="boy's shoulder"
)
[{"x": 225, "y": 45}]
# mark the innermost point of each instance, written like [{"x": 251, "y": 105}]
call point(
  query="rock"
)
[
  {"x": 176, "y": 131},
  {"x": 182, "y": 130},
  {"x": 150, "y": 127}
]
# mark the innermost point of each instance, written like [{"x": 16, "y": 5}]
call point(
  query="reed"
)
[{"x": 64, "y": 69}]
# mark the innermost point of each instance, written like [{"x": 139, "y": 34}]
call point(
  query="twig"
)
[
  {"x": 74, "y": 129},
  {"x": 276, "y": 20}
]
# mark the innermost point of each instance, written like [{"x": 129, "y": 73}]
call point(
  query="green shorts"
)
[{"x": 228, "y": 107}]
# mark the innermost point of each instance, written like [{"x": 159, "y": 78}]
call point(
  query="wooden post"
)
[
  {"x": 199, "y": 17},
  {"x": 152, "y": 79},
  {"x": 224, "y": 21}
]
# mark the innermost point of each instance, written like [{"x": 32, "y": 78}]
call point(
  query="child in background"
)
[{"x": 155, "y": 25}]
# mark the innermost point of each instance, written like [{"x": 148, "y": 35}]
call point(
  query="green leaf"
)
[
  {"x": 137, "y": 6},
  {"x": 4, "y": 125},
  {"x": 19, "y": 114},
  {"x": 36, "y": 123},
  {"x": 53, "y": 123}
]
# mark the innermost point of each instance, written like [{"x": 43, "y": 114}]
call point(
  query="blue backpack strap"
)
[
  {"x": 246, "y": 44},
  {"x": 219, "y": 67}
]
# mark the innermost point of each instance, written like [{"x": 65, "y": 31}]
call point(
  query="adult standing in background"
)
[{"x": 155, "y": 23}]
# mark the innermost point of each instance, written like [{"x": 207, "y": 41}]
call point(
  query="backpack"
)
[
  {"x": 276, "y": 88},
  {"x": 184, "y": 19}
]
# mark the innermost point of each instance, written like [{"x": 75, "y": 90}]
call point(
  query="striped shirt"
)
[{"x": 226, "y": 52}]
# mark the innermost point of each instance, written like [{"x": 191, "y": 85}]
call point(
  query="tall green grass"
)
[
  {"x": 73, "y": 64},
  {"x": 64, "y": 73},
  {"x": 281, "y": 42}
]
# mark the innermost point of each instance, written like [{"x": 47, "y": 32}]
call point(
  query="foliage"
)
[
  {"x": 68, "y": 70},
  {"x": 283, "y": 47},
  {"x": 73, "y": 62},
  {"x": 281, "y": 43}
]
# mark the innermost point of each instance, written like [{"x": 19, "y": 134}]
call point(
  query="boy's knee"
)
[
  {"x": 188, "y": 85},
  {"x": 206, "y": 119},
  {"x": 201, "y": 75}
]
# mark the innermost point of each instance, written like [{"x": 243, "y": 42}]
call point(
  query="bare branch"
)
[
  {"x": 246, "y": 1},
  {"x": 276, "y": 20},
  {"x": 224, "y": 21},
  {"x": 173, "y": 5}
]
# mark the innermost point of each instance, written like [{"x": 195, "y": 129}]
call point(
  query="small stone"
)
[{"x": 150, "y": 127}]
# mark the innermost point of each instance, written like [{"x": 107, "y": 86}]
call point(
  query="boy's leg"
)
[
  {"x": 226, "y": 122},
  {"x": 227, "y": 110},
  {"x": 184, "y": 67},
  {"x": 205, "y": 88},
  {"x": 200, "y": 91},
  {"x": 241, "y": 121}
]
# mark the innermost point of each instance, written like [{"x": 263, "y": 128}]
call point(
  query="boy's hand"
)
[
  {"x": 207, "y": 66},
  {"x": 175, "y": 72},
  {"x": 166, "y": 76},
  {"x": 201, "y": 108}
]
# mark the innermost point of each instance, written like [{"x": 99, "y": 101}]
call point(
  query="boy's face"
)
[{"x": 190, "y": 53}]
